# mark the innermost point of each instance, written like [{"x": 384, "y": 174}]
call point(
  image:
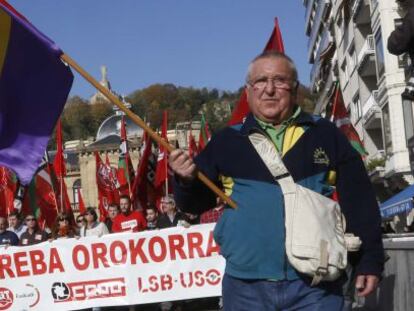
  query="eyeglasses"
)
[
  {"x": 30, "y": 219},
  {"x": 277, "y": 82}
]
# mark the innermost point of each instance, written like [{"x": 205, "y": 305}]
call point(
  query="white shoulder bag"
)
[{"x": 316, "y": 244}]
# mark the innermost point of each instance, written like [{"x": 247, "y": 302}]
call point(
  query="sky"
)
[{"x": 198, "y": 43}]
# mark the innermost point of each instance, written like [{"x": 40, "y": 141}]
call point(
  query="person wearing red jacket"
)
[{"x": 128, "y": 220}]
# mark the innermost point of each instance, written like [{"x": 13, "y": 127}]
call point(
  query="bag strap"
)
[{"x": 271, "y": 158}]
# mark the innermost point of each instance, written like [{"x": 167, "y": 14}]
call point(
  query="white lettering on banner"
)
[
  {"x": 89, "y": 290},
  {"x": 129, "y": 224},
  {"x": 117, "y": 269}
]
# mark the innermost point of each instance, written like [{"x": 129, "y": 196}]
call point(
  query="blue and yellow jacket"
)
[{"x": 251, "y": 237}]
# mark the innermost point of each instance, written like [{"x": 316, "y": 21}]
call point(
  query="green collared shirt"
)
[{"x": 277, "y": 133}]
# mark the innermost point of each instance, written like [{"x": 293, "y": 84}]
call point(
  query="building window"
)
[
  {"x": 344, "y": 68},
  {"x": 379, "y": 52},
  {"x": 386, "y": 125},
  {"x": 76, "y": 190},
  {"x": 352, "y": 58},
  {"x": 357, "y": 108}
]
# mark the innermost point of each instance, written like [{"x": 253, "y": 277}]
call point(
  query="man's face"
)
[
  {"x": 13, "y": 221},
  {"x": 124, "y": 206},
  {"x": 3, "y": 224},
  {"x": 268, "y": 102},
  {"x": 112, "y": 212},
  {"x": 151, "y": 215}
]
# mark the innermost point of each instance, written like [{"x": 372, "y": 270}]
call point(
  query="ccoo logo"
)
[
  {"x": 60, "y": 291},
  {"x": 6, "y": 298}
]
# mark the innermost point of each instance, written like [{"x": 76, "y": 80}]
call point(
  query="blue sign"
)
[{"x": 396, "y": 208}]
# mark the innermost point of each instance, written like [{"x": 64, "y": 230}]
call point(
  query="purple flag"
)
[{"x": 34, "y": 86}]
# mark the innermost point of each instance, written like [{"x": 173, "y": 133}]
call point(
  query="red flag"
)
[
  {"x": 8, "y": 186},
  {"x": 141, "y": 184},
  {"x": 113, "y": 179},
  {"x": 107, "y": 190},
  {"x": 82, "y": 208},
  {"x": 125, "y": 171},
  {"x": 192, "y": 145},
  {"x": 40, "y": 197},
  {"x": 341, "y": 119},
  {"x": 161, "y": 174},
  {"x": 275, "y": 43},
  {"x": 59, "y": 161},
  {"x": 59, "y": 168}
]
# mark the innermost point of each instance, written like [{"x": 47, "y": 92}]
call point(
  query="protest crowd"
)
[{"x": 24, "y": 230}]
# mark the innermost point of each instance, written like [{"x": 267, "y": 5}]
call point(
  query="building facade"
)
[{"x": 347, "y": 45}]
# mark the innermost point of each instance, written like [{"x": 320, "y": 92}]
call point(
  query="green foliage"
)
[{"x": 182, "y": 103}]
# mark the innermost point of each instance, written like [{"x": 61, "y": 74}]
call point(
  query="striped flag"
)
[{"x": 34, "y": 85}]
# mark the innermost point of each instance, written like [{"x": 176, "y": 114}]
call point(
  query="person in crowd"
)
[
  {"x": 171, "y": 217},
  {"x": 113, "y": 211},
  {"x": 213, "y": 215},
  {"x": 63, "y": 228},
  {"x": 401, "y": 41},
  {"x": 193, "y": 219},
  {"x": 80, "y": 222},
  {"x": 34, "y": 234},
  {"x": 151, "y": 215},
  {"x": 92, "y": 226},
  {"x": 15, "y": 223},
  {"x": 316, "y": 155},
  {"x": 128, "y": 220},
  {"x": 7, "y": 237}
]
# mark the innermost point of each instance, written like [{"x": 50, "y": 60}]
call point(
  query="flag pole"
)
[{"x": 67, "y": 59}]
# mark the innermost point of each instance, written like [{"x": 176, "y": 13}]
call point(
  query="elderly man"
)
[
  {"x": 171, "y": 217},
  {"x": 318, "y": 156}
]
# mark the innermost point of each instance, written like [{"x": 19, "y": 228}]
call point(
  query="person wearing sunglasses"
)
[
  {"x": 63, "y": 227},
  {"x": 34, "y": 234},
  {"x": 80, "y": 222}
]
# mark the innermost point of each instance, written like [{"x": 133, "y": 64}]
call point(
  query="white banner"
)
[{"x": 116, "y": 269}]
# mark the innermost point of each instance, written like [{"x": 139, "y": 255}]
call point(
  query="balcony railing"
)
[
  {"x": 367, "y": 49},
  {"x": 370, "y": 107}
]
